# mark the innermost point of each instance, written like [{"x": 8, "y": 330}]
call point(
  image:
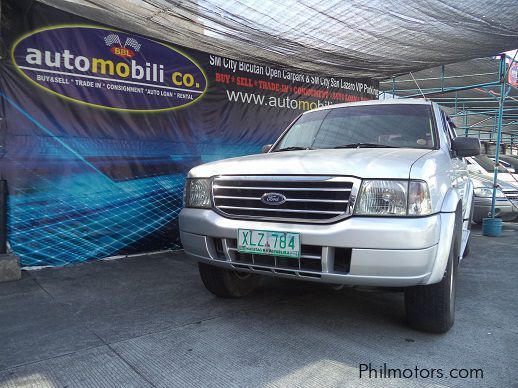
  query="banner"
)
[{"x": 100, "y": 127}]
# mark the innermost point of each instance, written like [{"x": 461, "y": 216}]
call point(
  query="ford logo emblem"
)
[{"x": 273, "y": 199}]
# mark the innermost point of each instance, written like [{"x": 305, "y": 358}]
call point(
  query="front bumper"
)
[
  {"x": 504, "y": 209},
  {"x": 385, "y": 252}
]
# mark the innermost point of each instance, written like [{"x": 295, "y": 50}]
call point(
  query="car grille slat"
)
[
  {"x": 303, "y": 254},
  {"x": 511, "y": 194},
  {"x": 307, "y": 198},
  {"x": 277, "y": 188},
  {"x": 280, "y": 210},
  {"x": 287, "y": 200}
]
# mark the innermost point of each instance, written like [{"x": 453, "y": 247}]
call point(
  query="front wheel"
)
[
  {"x": 226, "y": 283},
  {"x": 431, "y": 308}
]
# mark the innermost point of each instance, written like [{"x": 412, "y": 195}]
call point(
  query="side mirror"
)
[
  {"x": 466, "y": 146},
  {"x": 266, "y": 148}
]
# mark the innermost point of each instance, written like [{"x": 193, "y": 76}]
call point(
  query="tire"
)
[
  {"x": 226, "y": 283},
  {"x": 431, "y": 308}
]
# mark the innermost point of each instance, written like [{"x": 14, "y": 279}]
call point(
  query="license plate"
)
[{"x": 268, "y": 242}]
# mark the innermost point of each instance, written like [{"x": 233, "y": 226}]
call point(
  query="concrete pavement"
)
[{"x": 149, "y": 322}]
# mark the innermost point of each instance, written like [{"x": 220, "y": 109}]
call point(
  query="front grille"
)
[
  {"x": 310, "y": 263},
  {"x": 511, "y": 194},
  {"x": 308, "y": 198}
]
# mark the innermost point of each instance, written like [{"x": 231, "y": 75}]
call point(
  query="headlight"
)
[
  {"x": 419, "y": 202},
  {"x": 198, "y": 192},
  {"x": 393, "y": 198},
  {"x": 487, "y": 192}
]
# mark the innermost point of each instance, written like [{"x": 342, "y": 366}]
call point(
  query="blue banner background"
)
[{"x": 87, "y": 183}]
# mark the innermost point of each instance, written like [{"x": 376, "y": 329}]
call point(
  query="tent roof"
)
[{"x": 375, "y": 39}]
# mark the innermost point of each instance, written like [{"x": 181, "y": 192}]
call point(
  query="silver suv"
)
[{"x": 362, "y": 194}]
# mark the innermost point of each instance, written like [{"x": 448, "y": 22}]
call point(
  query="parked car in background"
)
[
  {"x": 507, "y": 166},
  {"x": 509, "y": 162},
  {"x": 373, "y": 193},
  {"x": 484, "y": 165},
  {"x": 506, "y": 199}
]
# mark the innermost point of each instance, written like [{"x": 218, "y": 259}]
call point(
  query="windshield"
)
[{"x": 390, "y": 125}]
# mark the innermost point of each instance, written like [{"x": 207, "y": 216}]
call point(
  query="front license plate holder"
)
[{"x": 268, "y": 242}]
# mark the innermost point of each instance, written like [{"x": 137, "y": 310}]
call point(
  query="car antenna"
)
[{"x": 420, "y": 91}]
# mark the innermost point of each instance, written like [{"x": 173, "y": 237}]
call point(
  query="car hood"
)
[
  {"x": 360, "y": 162},
  {"x": 487, "y": 181}
]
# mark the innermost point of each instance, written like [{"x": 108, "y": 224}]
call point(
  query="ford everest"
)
[{"x": 372, "y": 193}]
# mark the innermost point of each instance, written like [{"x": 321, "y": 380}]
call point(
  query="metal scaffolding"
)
[{"x": 472, "y": 93}]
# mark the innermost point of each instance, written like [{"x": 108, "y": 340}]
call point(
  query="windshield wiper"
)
[
  {"x": 292, "y": 149},
  {"x": 364, "y": 145}
]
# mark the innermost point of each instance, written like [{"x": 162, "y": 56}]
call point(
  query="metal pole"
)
[
  {"x": 465, "y": 121},
  {"x": 432, "y": 91},
  {"x": 502, "y": 74},
  {"x": 3, "y": 216},
  {"x": 442, "y": 78}
]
